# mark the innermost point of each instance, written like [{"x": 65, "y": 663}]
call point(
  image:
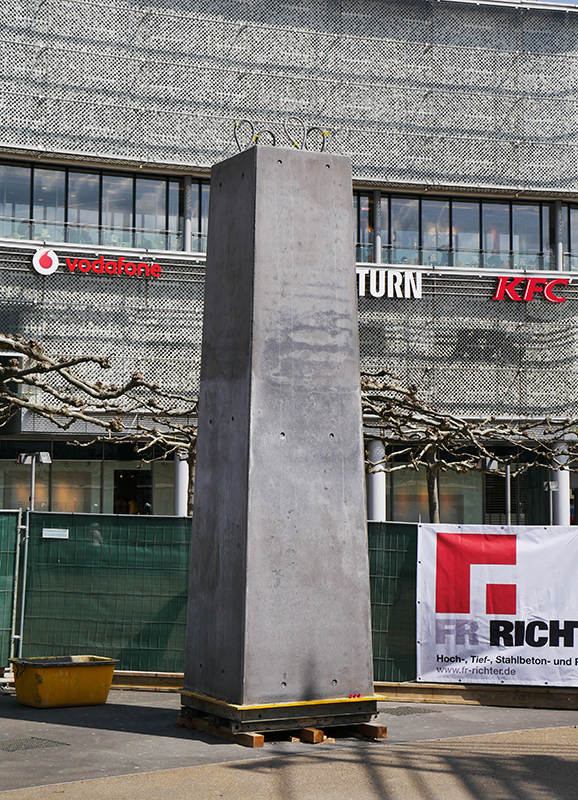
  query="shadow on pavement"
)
[
  {"x": 461, "y": 769},
  {"x": 157, "y": 720}
]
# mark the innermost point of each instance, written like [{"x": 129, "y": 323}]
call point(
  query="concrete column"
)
[
  {"x": 377, "y": 227},
  {"x": 561, "y": 498},
  {"x": 279, "y": 593},
  {"x": 376, "y": 484},
  {"x": 558, "y": 244},
  {"x": 181, "y": 486},
  {"x": 188, "y": 214}
]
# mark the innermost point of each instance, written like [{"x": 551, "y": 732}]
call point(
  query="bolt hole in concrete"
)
[
  {"x": 282, "y": 435},
  {"x": 331, "y": 436},
  {"x": 279, "y": 161}
]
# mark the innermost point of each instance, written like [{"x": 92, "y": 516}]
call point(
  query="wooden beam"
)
[
  {"x": 370, "y": 730},
  {"x": 311, "y": 735},
  {"x": 220, "y": 731}
]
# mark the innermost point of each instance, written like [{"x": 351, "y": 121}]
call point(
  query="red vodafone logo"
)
[{"x": 45, "y": 261}]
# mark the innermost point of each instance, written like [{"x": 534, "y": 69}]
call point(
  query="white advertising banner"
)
[{"x": 497, "y": 605}]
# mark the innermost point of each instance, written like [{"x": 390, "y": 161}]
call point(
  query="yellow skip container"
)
[{"x": 60, "y": 681}]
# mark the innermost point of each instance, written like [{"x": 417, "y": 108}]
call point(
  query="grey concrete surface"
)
[
  {"x": 131, "y": 747},
  {"x": 279, "y": 575}
]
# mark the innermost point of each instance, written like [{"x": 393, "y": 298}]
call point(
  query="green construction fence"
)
[
  {"x": 8, "y": 537},
  {"x": 117, "y": 587}
]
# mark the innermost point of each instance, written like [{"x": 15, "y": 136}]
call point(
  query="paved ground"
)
[{"x": 131, "y": 748}]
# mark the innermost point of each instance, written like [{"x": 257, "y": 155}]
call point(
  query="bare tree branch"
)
[
  {"x": 418, "y": 435},
  {"x": 136, "y": 410}
]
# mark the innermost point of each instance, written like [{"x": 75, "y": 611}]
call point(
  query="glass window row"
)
[
  {"x": 462, "y": 233},
  {"x": 98, "y": 208},
  {"x": 97, "y": 478},
  {"x": 127, "y": 210}
]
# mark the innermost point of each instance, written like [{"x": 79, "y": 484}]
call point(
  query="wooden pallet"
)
[
  {"x": 309, "y": 735},
  {"x": 221, "y": 731}
]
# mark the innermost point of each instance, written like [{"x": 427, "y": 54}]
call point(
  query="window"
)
[
  {"x": 435, "y": 226},
  {"x": 48, "y": 193},
  {"x": 404, "y": 230},
  {"x": 151, "y": 213},
  {"x": 14, "y": 201},
  {"x": 466, "y": 233},
  {"x": 526, "y": 236},
  {"x": 117, "y": 210},
  {"x": 565, "y": 237},
  {"x": 83, "y": 207},
  {"x": 76, "y": 486},
  {"x": 365, "y": 222},
  {"x": 548, "y": 259},
  {"x": 496, "y": 235},
  {"x": 385, "y": 229},
  {"x": 93, "y": 478},
  {"x": 200, "y": 217},
  {"x": 573, "y": 230},
  {"x": 442, "y": 232},
  {"x": 95, "y": 208},
  {"x": 175, "y": 216}
]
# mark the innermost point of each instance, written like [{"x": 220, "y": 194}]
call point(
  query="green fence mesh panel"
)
[
  {"x": 116, "y": 587},
  {"x": 8, "y": 530},
  {"x": 392, "y": 568}
]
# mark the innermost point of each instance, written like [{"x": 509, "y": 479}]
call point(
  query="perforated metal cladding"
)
[
  {"x": 473, "y": 356},
  {"x": 415, "y": 92},
  {"x": 468, "y": 354},
  {"x": 150, "y": 325}
]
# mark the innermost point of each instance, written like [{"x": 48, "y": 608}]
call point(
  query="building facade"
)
[{"x": 460, "y": 121}]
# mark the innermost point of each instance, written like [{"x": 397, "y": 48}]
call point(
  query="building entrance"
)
[{"x": 132, "y": 491}]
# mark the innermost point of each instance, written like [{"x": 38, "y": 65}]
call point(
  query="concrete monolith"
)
[{"x": 279, "y": 592}]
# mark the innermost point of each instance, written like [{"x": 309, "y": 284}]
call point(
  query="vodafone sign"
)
[
  {"x": 497, "y": 605},
  {"x": 45, "y": 262}
]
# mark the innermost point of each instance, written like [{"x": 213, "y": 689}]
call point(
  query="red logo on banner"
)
[{"x": 456, "y": 552}]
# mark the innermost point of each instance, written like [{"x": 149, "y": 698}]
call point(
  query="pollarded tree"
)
[
  {"x": 58, "y": 389},
  {"x": 140, "y": 412},
  {"x": 416, "y": 435}
]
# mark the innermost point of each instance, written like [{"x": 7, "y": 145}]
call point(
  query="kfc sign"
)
[{"x": 523, "y": 289}]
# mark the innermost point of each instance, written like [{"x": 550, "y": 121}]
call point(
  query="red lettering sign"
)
[
  {"x": 120, "y": 267},
  {"x": 508, "y": 285}
]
